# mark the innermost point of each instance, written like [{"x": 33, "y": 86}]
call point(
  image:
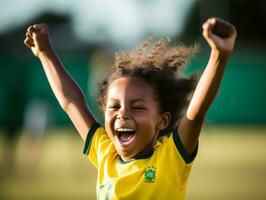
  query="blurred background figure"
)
[
  {"x": 14, "y": 101},
  {"x": 37, "y": 117},
  {"x": 37, "y": 120}
]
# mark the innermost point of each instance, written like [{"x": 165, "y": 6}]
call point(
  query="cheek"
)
[
  {"x": 108, "y": 121},
  {"x": 148, "y": 123}
]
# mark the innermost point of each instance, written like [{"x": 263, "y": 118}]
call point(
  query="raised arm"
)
[
  {"x": 221, "y": 36},
  {"x": 67, "y": 92}
]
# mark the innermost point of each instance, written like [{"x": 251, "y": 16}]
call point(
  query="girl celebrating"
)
[{"x": 150, "y": 137}]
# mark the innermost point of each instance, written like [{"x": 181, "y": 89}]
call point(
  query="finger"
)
[
  {"x": 30, "y": 40},
  {"x": 40, "y": 27},
  {"x": 36, "y": 28},
  {"x": 28, "y": 43},
  {"x": 28, "y": 29},
  {"x": 208, "y": 26},
  {"x": 232, "y": 30},
  {"x": 209, "y": 23},
  {"x": 29, "y": 35},
  {"x": 220, "y": 29},
  {"x": 32, "y": 30},
  {"x": 223, "y": 28}
]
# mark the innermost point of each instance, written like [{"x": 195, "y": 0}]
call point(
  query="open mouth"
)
[{"x": 125, "y": 135}]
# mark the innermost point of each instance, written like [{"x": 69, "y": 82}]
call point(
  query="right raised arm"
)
[{"x": 67, "y": 92}]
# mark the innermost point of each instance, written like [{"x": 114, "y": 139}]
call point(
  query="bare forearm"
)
[
  {"x": 67, "y": 92},
  {"x": 220, "y": 36},
  {"x": 208, "y": 85},
  {"x": 63, "y": 86}
]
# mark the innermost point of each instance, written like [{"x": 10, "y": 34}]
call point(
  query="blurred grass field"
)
[{"x": 231, "y": 164}]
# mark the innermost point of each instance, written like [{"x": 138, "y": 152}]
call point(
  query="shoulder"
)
[
  {"x": 96, "y": 135},
  {"x": 172, "y": 145}
]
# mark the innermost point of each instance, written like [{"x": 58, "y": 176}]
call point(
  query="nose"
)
[{"x": 123, "y": 115}]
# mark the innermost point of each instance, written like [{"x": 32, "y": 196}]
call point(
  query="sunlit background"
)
[{"x": 40, "y": 151}]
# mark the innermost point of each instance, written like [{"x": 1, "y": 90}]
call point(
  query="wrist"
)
[
  {"x": 46, "y": 54},
  {"x": 217, "y": 54},
  {"x": 218, "y": 59}
]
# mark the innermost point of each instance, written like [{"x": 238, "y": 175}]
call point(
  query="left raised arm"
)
[{"x": 221, "y": 36}]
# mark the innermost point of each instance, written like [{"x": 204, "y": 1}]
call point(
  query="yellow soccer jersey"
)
[{"x": 163, "y": 174}]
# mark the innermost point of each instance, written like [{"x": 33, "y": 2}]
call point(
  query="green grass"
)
[{"x": 231, "y": 164}]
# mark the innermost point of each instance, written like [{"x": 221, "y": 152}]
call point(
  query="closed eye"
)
[
  {"x": 115, "y": 106},
  {"x": 138, "y": 108}
]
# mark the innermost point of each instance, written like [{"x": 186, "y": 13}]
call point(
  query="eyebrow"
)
[
  {"x": 136, "y": 100},
  {"x": 132, "y": 101}
]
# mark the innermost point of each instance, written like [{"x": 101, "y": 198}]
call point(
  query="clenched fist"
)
[
  {"x": 37, "y": 38},
  {"x": 220, "y": 35}
]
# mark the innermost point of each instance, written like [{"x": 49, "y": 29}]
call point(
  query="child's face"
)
[{"x": 132, "y": 117}]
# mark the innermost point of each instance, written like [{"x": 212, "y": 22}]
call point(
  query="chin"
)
[{"x": 126, "y": 155}]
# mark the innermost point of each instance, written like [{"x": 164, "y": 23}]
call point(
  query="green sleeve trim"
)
[
  {"x": 180, "y": 147},
  {"x": 90, "y": 134}
]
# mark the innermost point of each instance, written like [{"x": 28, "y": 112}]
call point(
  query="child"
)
[{"x": 142, "y": 153}]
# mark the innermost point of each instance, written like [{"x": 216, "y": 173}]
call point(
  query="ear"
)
[{"x": 164, "y": 121}]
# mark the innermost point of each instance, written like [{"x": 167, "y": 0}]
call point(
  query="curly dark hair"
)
[{"x": 159, "y": 66}]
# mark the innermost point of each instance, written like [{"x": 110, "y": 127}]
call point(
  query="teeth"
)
[{"x": 125, "y": 129}]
